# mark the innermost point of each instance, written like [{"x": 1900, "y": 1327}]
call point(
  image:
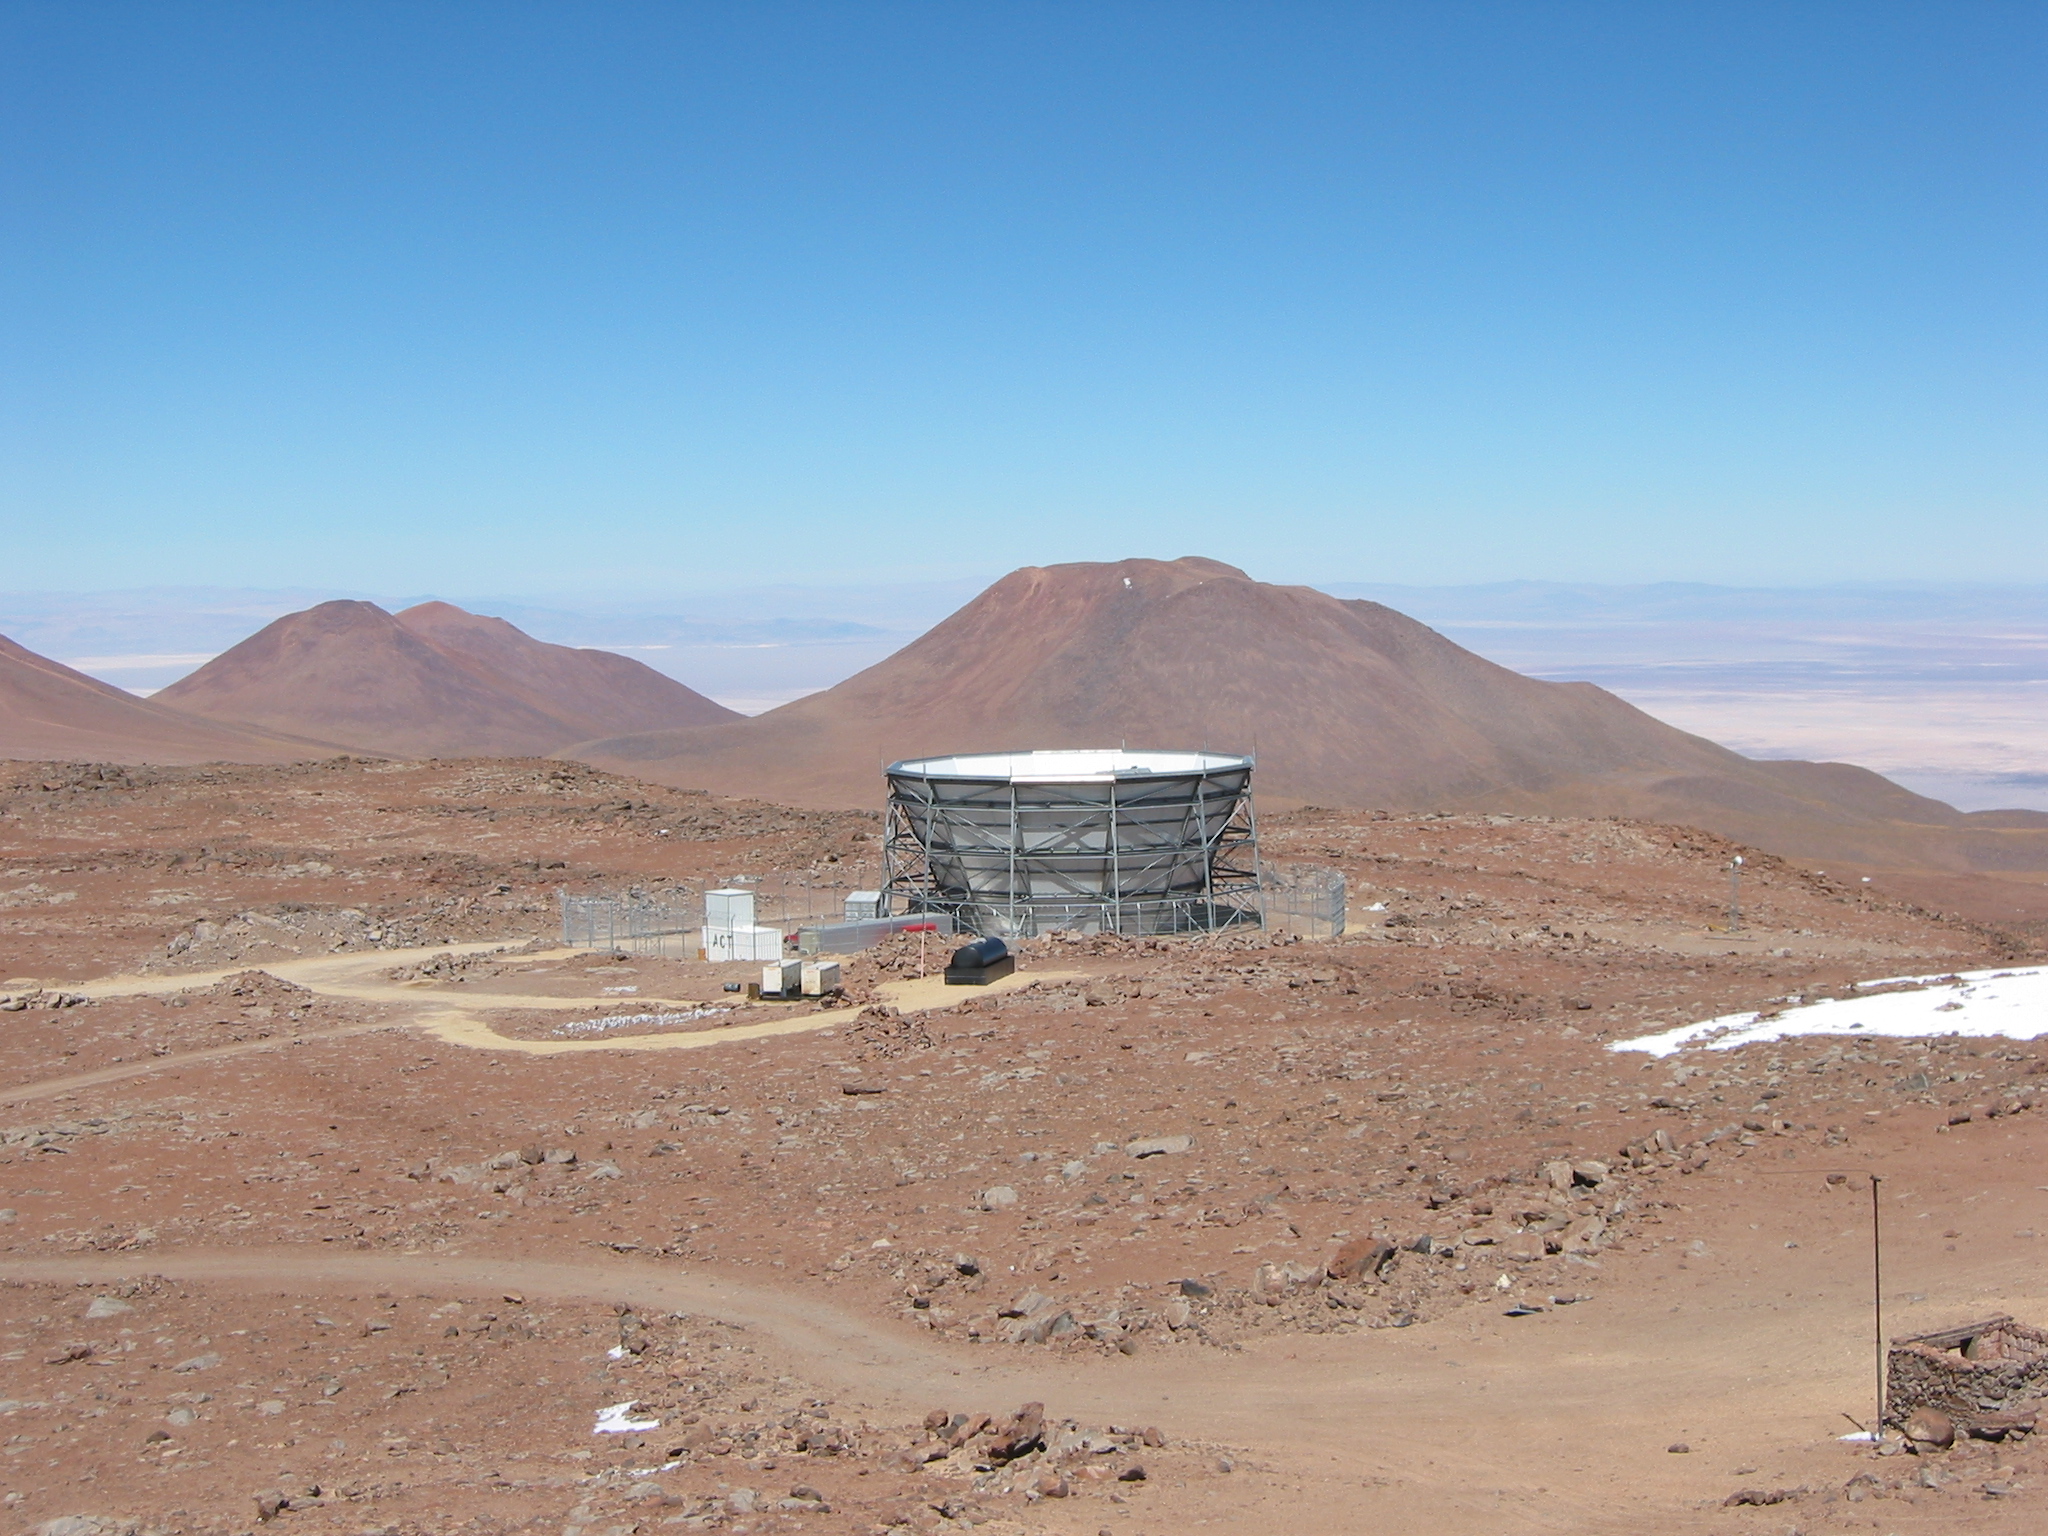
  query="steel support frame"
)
[{"x": 1058, "y": 881}]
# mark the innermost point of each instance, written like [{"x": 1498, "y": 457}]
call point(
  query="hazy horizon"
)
[{"x": 1941, "y": 686}]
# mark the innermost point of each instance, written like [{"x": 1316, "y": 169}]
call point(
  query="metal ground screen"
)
[{"x": 1020, "y": 843}]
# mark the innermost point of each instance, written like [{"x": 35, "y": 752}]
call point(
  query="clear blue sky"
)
[{"x": 514, "y": 297}]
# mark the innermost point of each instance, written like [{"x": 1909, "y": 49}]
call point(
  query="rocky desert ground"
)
[{"x": 336, "y": 1196}]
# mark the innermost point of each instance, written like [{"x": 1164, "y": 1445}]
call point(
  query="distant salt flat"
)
[
  {"x": 1980, "y": 748},
  {"x": 2012, "y": 1004}
]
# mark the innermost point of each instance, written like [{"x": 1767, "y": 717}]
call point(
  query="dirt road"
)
[{"x": 1559, "y": 1422}]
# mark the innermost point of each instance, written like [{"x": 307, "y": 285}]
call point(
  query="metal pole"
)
[
  {"x": 1116, "y": 865},
  {"x": 1735, "y": 895},
  {"x": 1877, "y": 1304}
]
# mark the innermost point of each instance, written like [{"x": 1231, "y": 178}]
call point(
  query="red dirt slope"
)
[
  {"x": 48, "y": 712},
  {"x": 591, "y": 692},
  {"x": 1345, "y": 703},
  {"x": 434, "y": 682}
]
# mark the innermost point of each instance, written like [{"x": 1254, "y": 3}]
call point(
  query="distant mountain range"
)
[
  {"x": 1346, "y": 702},
  {"x": 50, "y": 712},
  {"x": 345, "y": 676},
  {"x": 431, "y": 681}
]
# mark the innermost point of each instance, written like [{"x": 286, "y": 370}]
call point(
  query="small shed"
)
[{"x": 1969, "y": 1372}]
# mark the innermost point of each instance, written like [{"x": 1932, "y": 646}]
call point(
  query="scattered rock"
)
[
  {"x": 1159, "y": 1146},
  {"x": 1930, "y": 1429},
  {"x": 1047, "y": 1320},
  {"x": 1022, "y": 1432},
  {"x": 1997, "y": 1426},
  {"x": 1362, "y": 1258},
  {"x": 1760, "y": 1496},
  {"x": 1273, "y": 1283}
]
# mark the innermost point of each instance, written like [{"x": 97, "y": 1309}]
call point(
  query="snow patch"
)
[
  {"x": 2012, "y": 1004},
  {"x": 630, "y": 1020},
  {"x": 618, "y": 1420}
]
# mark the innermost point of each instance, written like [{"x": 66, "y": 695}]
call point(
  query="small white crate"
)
[{"x": 728, "y": 909}]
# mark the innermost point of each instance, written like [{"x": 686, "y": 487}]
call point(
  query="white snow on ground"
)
[
  {"x": 623, "y": 1020},
  {"x": 2012, "y": 1003},
  {"x": 618, "y": 1420}
]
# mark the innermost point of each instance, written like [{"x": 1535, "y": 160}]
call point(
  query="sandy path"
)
[
  {"x": 923, "y": 994},
  {"x": 457, "y": 1020},
  {"x": 319, "y": 973},
  {"x": 52, "y": 1087},
  {"x": 1558, "y": 1423}
]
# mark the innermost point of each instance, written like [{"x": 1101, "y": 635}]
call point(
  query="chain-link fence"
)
[
  {"x": 633, "y": 925},
  {"x": 671, "y": 925},
  {"x": 1299, "y": 899},
  {"x": 1305, "y": 900}
]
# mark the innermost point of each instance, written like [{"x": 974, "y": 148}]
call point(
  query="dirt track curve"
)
[{"x": 1392, "y": 1410}]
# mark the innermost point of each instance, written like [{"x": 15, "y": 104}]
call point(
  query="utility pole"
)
[
  {"x": 1877, "y": 1304},
  {"x": 1735, "y": 895}
]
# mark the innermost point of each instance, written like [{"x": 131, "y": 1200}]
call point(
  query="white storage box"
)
[
  {"x": 743, "y": 943},
  {"x": 784, "y": 978},
  {"x": 821, "y": 977},
  {"x": 863, "y": 906},
  {"x": 728, "y": 909}
]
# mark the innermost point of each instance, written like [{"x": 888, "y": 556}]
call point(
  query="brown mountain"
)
[
  {"x": 433, "y": 681},
  {"x": 592, "y": 692},
  {"x": 48, "y": 712},
  {"x": 1345, "y": 703}
]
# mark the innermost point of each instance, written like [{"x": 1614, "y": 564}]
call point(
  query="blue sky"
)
[{"x": 584, "y": 297}]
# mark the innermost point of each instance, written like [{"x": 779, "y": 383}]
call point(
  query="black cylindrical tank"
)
[{"x": 979, "y": 955}]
